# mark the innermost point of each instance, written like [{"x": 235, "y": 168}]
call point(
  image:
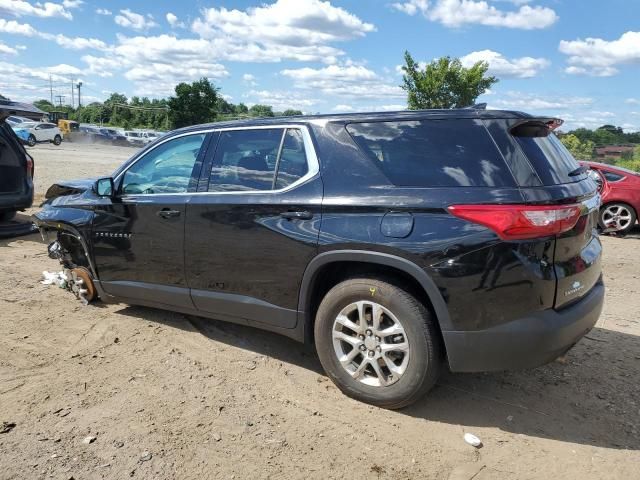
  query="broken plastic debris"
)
[
  {"x": 54, "y": 278},
  {"x": 472, "y": 440}
]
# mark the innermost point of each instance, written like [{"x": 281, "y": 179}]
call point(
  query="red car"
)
[{"x": 620, "y": 190}]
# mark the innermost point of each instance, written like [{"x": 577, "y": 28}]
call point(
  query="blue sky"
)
[{"x": 579, "y": 60}]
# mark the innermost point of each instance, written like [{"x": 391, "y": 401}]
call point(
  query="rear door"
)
[
  {"x": 578, "y": 251},
  {"x": 253, "y": 226}
]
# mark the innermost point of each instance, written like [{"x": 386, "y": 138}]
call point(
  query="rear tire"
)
[
  {"x": 367, "y": 361},
  {"x": 618, "y": 217},
  {"x": 57, "y": 140},
  {"x": 31, "y": 141}
]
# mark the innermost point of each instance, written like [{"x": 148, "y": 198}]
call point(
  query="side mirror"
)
[{"x": 104, "y": 187}]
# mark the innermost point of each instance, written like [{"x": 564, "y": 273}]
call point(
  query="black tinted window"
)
[
  {"x": 433, "y": 153},
  {"x": 245, "y": 160},
  {"x": 551, "y": 160},
  {"x": 612, "y": 177},
  {"x": 293, "y": 160}
]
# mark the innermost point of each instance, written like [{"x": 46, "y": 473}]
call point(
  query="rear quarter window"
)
[
  {"x": 550, "y": 159},
  {"x": 433, "y": 153}
]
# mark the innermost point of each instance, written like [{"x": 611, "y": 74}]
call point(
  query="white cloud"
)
[
  {"x": 135, "y": 21},
  {"x": 525, "y": 101},
  {"x": 456, "y": 13},
  {"x": 355, "y": 81},
  {"x": 287, "y": 29},
  {"x": 13, "y": 27},
  {"x": 279, "y": 100},
  {"x": 598, "y": 57},
  {"x": 172, "y": 20},
  {"x": 632, "y": 101},
  {"x": 104, "y": 11},
  {"x": 411, "y": 7},
  {"x": 19, "y": 8},
  {"x": 76, "y": 43},
  {"x": 64, "y": 69},
  {"x": 343, "y": 108},
  {"x": 156, "y": 64},
  {"x": 72, "y": 3},
  {"x": 523, "y": 67},
  {"x": 7, "y": 50},
  {"x": 249, "y": 79}
]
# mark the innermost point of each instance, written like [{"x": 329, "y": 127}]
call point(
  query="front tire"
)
[
  {"x": 377, "y": 342},
  {"x": 617, "y": 217},
  {"x": 31, "y": 141},
  {"x": 57, "y": 140}
]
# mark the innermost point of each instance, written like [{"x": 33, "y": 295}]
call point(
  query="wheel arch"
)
[{"x": 312, "y": 282}]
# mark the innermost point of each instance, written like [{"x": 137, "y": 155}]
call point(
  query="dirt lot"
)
[{"x": 170, "y": 396}]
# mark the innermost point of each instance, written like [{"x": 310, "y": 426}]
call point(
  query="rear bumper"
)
[
  {"x": 527, "y": 342},
  {"x": 16, "y": 201}
]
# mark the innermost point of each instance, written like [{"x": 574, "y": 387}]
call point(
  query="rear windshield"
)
[
  {"x": 551, "y": 160},
  {"x": 434, "y": 153}
]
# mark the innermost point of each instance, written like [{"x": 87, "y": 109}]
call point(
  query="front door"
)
[
  {"x": 139, "y": 237},
  {"x": 254, "y": 228}
]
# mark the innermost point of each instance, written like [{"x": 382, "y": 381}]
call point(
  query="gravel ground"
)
[{"x": 114, "y": 391}]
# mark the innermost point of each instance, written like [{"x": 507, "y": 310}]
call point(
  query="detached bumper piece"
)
[
  {"x": 527, "y": 342},
  {"x": 77, "y": 280}
]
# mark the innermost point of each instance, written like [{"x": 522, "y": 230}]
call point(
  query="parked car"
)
[
  {"x": 135, "y": 138},
  {"x": 16, "y": 120},
  {"x": 38, "y": 132},
  {"x": 16, "y": 172},
  {"x": 620, "y": 190},
  {"x": 398, "y": 242}
]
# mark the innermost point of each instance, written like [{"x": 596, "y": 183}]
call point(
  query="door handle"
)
[
  {"x": 302, "y": 215},
  {"x": 168, "y": 213}
]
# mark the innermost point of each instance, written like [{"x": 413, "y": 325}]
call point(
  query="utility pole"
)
[
  {"x": 60, "y": 100},
  {"x": 51, "y": 88},
  {"x": 79, "y": 97},
  {"x": 73, "y": 100}
]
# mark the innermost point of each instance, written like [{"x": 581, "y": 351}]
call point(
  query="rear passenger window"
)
[
  {"x": 433, "y": 153},
  {"x": 245, "y": 160},
  {"x": 258, "y": 160},
  {"x": 293, "y": 160}
]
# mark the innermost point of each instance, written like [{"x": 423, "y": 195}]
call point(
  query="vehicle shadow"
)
[{"x": 591, "y": 398}]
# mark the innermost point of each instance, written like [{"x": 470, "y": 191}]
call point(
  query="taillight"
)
[
  {"x": 520, "y": 222},
  {"x": 29, "y": 166}
]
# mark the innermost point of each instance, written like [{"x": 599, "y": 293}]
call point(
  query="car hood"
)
[{"x": 69, "y": 187}]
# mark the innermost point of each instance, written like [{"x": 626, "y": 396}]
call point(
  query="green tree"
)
[
  {"x": 44, "y": 105},
  {"x": 444, "y": 83},
  {"x": 193, "y": 103},
  {"x": 580, "y": 150},
  {"x": 291, "y": 113},
  {"x": 261, "y": 111}
]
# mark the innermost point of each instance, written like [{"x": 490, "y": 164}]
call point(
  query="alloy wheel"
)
[
  {"x": 617, "y": 217},
  {"x": 370, "y": 343}
]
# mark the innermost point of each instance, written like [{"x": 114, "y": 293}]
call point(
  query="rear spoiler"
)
[{"x": 535, "y": 127}]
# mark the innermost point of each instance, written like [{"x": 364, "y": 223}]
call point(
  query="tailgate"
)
[
  {"x": 578, "y": 255},
  {"x": 577, "y": 251}
]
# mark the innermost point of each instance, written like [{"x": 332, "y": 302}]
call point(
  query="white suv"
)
[{"x": 41, "y": 132}]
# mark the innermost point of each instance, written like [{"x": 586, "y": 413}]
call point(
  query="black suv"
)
[
  {"x": 16, "y": 170},
  {"x": 397, "y": 242}
]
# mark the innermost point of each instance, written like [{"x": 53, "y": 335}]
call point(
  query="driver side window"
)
[{"x": 165, "y": 169}]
